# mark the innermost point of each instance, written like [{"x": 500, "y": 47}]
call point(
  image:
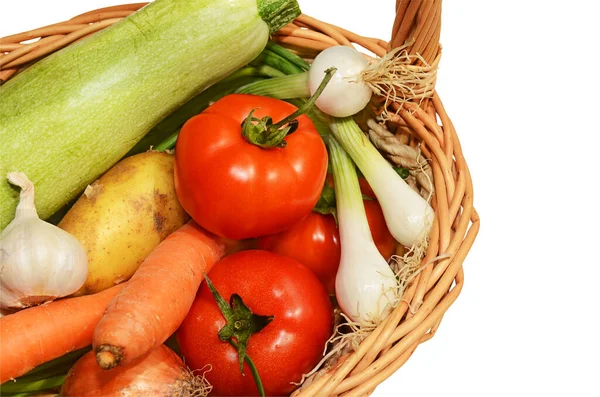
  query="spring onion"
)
[
  {"x": 365, "y": 285},
  {"x": 408, "y": 216},
  {"x": 346, "y": 94}
]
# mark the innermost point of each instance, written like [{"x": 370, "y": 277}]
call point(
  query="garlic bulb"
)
[{"x": 39, "y": 262}]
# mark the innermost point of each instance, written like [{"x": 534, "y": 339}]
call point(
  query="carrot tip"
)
[{"x": 108, "y": 356}]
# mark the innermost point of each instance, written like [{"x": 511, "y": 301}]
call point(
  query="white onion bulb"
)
[{"x": 346, "y": 94}]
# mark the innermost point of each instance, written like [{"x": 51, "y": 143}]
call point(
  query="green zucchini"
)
[{"x": 67, "y": 119}]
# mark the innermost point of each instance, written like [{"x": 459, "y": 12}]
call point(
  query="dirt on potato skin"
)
[{"x": 123, "y": 216}]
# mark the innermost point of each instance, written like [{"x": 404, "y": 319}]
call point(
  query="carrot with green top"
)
[{"x": 157, "y": 298}]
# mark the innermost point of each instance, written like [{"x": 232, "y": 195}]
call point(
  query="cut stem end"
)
[{"x": 108, "y": 356}]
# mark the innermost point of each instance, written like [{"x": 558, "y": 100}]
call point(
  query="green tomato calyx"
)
[{"x": 263, "y": 133}]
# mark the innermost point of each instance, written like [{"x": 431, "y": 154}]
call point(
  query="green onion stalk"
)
[{"x": 409, "y": 222}]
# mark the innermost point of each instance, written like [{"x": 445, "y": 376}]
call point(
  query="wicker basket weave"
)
[{"x": 418, "y": 316}]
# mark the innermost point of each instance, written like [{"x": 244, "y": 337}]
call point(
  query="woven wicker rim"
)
[{"x": 437, "y": 286}]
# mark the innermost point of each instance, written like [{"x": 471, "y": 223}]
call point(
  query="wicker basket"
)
[{"x": 424, "y": 123}]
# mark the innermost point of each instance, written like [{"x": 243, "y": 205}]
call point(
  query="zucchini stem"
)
[{"x": 277, "y": 13}]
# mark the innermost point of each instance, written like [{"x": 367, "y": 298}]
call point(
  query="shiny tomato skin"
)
[
  {"x": 384, "y": 241},
  {"x": 290, "y": 346},
  {"x": 238, "y": 190},
  {"x": 365, "y": 188},
  {"x": 315, "y": 242}
]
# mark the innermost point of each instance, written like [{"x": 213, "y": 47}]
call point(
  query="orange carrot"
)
[
  {"x": 157, "y": 298},
  {"x": 36, "y": 335}
]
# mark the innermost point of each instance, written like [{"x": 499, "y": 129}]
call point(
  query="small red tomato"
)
[
  {"x": 240, "y": 190},
  {"x": 286, "y": 348},
  {"x": 384, "y": 241},
  {"x": 315, "y": 242},
  {"x": 365, "y": 188}
]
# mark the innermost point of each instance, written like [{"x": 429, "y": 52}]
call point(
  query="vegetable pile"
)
[{"x": 212, "y": 221}]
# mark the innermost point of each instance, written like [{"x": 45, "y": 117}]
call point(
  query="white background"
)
[{"x": 520, "y": 80}]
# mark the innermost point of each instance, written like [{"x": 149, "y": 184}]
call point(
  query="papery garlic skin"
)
[{"x": 39, "y": 262}]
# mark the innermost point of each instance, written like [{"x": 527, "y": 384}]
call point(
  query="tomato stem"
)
[
  {"x": 309, "y": 103},
  {"x": 253, "y": 369},
  {"x": 241, "y": 325},
  {"x": 263, "y": 133}
]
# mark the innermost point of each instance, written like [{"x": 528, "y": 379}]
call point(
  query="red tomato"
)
[
  {"x": 315, "y": 242},
  {"x": 239, "y": 190},
  {"x": 288, "y": 347},
  {"x": 385, "y": 242},
  {"x": 365, "y": 188}
]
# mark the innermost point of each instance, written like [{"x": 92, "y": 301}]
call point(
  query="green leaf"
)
[
  {"x": 222, "y": 303},
  {"x": 403, "y": 172},
  {"x": 327, "y": 204}
]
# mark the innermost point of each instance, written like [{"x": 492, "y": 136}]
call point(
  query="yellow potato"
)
[{"x": 123, "y": 216}]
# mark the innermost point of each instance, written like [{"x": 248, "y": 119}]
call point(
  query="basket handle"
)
[{"x": 418, "y": 26}]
